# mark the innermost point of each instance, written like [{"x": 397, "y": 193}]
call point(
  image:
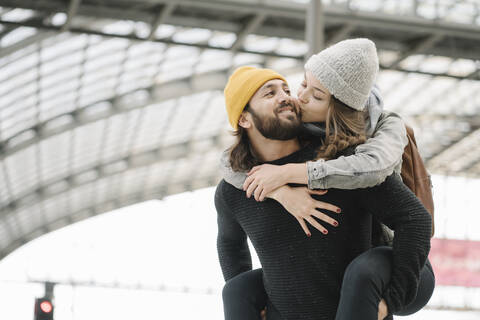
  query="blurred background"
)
[{"x": 112, "y": 122}]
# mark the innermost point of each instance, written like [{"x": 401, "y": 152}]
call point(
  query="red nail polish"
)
[
  {"x": 339, "y": 210},
  {"x": 335, "y": 223},
  {"x": 309, "y": 235},
  {"x": 325, "y": 231}
]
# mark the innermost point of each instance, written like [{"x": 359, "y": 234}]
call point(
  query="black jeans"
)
[
  {"x": 244, "y": 297},
  {"x": 364, "y": 281}
]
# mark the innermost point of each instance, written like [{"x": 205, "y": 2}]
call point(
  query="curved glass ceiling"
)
[{"x": 98, "y": 117}]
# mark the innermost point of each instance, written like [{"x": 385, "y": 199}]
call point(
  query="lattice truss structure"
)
[{"x": 105, "y": 103}]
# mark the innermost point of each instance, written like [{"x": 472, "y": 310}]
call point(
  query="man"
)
[{"x": 303, "y": 276}]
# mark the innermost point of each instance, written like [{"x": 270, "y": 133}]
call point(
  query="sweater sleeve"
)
[
  {"x": 235, "y": 178},
  {"x": 232, "y": 246},
  {"x": 372, "y": 162},
  {"x": 396, "y": 206}
]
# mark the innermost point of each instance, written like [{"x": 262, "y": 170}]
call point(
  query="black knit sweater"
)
[{"x": 302, "y": 276}]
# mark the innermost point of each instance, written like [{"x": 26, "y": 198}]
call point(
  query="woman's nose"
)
[{"x": 302, "y": 98}]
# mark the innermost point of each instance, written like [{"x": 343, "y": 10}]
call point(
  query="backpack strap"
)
[{"x": 416, "y": 176}]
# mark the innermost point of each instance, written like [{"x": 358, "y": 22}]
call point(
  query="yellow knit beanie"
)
[{"x": 241, "y": 86}]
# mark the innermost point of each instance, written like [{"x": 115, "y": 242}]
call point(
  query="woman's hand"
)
[
  {"x": 382, "y": 310},
  {"x": 263, "y": 179},
  {"x": 300, "y": 204},
  {"x": 263, "y": 314}
]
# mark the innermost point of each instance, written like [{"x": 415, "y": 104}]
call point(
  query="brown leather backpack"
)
[{"x": 415, "y": 175}]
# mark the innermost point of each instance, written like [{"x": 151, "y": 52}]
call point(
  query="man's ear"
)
[{"x": 245, "y": 120}]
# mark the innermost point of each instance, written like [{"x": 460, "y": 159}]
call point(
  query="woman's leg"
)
[
  {"x": 365, "y": 279},
  {"x": 424, "y": 293},
  {"x": 244, "y": 296}
]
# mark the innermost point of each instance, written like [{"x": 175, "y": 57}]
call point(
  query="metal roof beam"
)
[
  {"x": 269, "y": 9},
  {"x": 369, "y": 23},
  {"x": 104, "y": 170},
  {"x": 71, "y": 12},
  {"x": 134, "y": 37},
  {"x": 443, "y": 52},
  {"x": 418, "y": 48},
  {"x": 112, "y": 204},
  {"x": 473, "y": 76},
  {"x": 342, "y": 33},
  {"x": 6, "y": 31},
  {"x": 160, "y": 92},
  {"x": 315, "y": 27},
  {"x": 249, "y": 28},
  {"x": 39, "y": 36},
  {"x": 163, "y": 15},
  {"x": 333, "y": 15},
  {"x": 431, "y": 162}
]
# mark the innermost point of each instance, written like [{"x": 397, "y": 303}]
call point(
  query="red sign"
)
[{"x": 456, "y": 262}]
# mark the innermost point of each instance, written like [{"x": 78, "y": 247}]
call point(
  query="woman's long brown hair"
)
[{"x": 344, "y": 127}]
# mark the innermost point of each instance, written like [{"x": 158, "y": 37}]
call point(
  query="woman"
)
[{"x": 322, "y": 101}]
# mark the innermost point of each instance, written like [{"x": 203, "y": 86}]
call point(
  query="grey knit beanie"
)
[{"x": 347, "y": 69}]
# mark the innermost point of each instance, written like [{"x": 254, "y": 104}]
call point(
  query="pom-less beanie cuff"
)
[{"x": 240, "y": 88}]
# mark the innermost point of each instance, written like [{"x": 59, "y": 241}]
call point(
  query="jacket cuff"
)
[{"x": 316, "y": 174}]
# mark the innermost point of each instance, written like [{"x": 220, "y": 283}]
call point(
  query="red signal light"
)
[
  {"x": 43, "y": 309},
  {"x": 46, "y": 306}
]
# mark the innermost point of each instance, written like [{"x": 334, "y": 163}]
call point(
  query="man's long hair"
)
[
  {"x": 344, "y": 128},
  {"x": 242, "y": 155}
]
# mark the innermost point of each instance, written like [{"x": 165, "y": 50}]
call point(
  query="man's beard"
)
[{"x": 276, "y": 129}]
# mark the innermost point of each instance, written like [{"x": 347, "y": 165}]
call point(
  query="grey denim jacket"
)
[{"x": 372, "y": 163}]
